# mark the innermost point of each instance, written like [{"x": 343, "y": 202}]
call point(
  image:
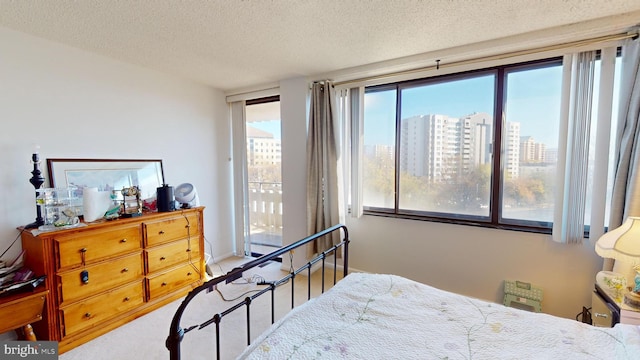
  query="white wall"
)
[
  {"x": 293, "y": 113},
  {"x": 75, "y": 104}
]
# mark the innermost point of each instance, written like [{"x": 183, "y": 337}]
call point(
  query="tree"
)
[{"x": 265, "y": 174}]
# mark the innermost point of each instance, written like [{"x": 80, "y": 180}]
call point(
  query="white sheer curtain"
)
[
  {"x": 574, "y": 144},
  {"x": 351, "y": 106},
  {"x": 322, "y": 166},
  {"x": 573, "y": 151},
  {"x": 239, "y": 153},
  {"x": 603, "y": 143}
]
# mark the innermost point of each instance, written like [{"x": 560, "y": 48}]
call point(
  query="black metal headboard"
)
[{"x": 177, "y": 333}]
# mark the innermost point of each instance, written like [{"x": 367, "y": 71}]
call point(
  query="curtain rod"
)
[{"x": 614, "y": 37}]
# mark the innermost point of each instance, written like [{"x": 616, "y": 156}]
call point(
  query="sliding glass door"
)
[{"x": 264, "y": 176}]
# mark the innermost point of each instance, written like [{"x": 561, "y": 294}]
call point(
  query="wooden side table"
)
[
  {"x": 619, "y": 312},
  {"x": 20, "y": 310}
]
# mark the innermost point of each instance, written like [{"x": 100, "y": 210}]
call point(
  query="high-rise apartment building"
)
[
  {"x": 532, "y": 151},
  {"x": 511, "y": 138},
  {"x": 551, "y": 155},
  {"x": 441, "y": 148},
  {"x": 426, "y": 145},
  {"x": 262, "y": 147},
  {"x": 477, "y": 140}
]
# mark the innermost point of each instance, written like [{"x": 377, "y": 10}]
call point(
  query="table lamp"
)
[
  {"x": 36, "y": 180},
  {"x": 623, "y": 245}
]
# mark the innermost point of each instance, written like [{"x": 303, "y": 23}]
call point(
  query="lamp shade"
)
[{"x": 622, "y": 243}]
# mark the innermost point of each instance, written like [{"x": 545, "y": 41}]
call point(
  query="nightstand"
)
[{"x": 606, "y": 311}]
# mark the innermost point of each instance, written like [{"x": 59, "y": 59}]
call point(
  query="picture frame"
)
[{"x": 107, "y": 174}]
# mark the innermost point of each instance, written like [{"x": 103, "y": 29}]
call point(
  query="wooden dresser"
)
[{"x": 106, "y": 274}]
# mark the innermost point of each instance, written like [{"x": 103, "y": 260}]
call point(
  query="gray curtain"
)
[
  {"x": 322, "y": 166},
  {"x": 626, "y": 191}
]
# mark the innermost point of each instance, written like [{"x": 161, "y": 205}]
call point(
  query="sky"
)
[
  {"x": 265, "y": 116},
  {"x": 270, "y": 126},
  {"x": 533, "y": 100}
]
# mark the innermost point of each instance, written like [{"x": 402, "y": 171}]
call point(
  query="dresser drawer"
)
[
  {"x": 92, "y": 311},
  {"x": 178, "y": 227},
  {"x": 93, "y": 245},
  {"x": 170, "y": 280},
  {"x": 102, "y": 276},
  {"x": 163, "y": 256}
]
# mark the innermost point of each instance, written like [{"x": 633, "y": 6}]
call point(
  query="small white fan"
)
[{"x": 186, "y": 195}]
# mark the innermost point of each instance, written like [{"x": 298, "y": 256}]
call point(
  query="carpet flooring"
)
[{"x": 144, "y": 338}]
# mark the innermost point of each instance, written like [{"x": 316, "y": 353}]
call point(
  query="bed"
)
[{"x": 383, "y": 316}]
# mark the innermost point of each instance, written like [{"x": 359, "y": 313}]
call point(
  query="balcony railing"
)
[{"x": 265, "y": 213}]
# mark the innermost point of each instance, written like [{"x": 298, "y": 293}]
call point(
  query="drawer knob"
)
[
  {"x": 187, "y": 226},
  {"x": 87, "y": 315},
  {"x": 126, "y": 299},
  {"x": 125, "y": 270},
  {"x": 161, "y": 232},
  {"x": 123, "y": 240},
  {"x": 601, "y": 315},
  {"x": 162, "y": 258},
  {"x": 163, "y": 284},
  {"x": 83, "y": 250},
  {"x": 189, "y": 273}
]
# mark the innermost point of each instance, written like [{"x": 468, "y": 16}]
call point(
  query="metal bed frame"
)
[{"x": 177, "y": 333}]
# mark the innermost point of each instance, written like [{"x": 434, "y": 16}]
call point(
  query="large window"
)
[{"x": 477, "y": 147}]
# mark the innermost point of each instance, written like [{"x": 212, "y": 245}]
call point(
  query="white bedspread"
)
[{"x": 369, "y": 316}]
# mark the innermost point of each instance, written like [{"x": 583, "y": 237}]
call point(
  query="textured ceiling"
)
[{"x": 238, "y": 44}]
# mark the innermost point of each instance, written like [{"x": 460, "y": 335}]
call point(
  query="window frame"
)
[{"x": 494, "y": 219}]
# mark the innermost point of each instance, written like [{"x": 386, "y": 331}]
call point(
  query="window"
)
[
  {"x": 379, "y": 149},
  {"x": 476, "y": 147},
  {"x": 445, "y": 145},
  {"x": 530, "y": 143}
]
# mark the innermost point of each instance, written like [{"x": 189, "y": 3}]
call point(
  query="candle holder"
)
[{"x": 36, "y": 180}]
